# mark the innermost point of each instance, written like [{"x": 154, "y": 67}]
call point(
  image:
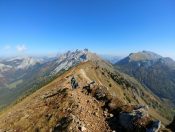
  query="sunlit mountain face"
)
[{"x": 153, "y": 71}]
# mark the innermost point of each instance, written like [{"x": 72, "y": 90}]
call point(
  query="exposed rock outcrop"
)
[
  {"x": 134, "y": 119},
  {"x": 154, "y": 126},
  {"x": 74, "y": 83}
]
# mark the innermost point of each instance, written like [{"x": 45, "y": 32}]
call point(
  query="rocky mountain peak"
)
[
  {"x": 147, "y": 59},
  {"x": 144, "y": 56},
  {"x": 27, "y": 62},
  {"x": 4, "y": 68},
  {"x": 77, "y": 54},
  {"x": 72, "y": 58},
  {"x": 22, "y": 62}
]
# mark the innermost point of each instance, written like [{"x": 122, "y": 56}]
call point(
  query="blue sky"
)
[{"x": 118, "y": 27}]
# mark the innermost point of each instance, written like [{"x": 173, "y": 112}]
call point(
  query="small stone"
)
[
  {"x": 95, "y": 113},
  {"x": 51, "y": 130},
  {"x": 111, "y": 115},
  {"x": 83, "y": 128}
]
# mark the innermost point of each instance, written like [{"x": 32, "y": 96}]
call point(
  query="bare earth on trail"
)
[{"x": 46, "y": 107}]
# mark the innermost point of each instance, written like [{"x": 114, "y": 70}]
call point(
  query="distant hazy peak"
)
[
  {"x": 111, "y": 58},
  {"x": 4, "y": 68},
  {"x": 81, "y": 55},
  {"x": 27, "y": 62},
  {"x": 23, "y": 62},
  {"x": 144, "y": 55}
]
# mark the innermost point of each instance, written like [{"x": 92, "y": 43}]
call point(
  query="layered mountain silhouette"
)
[{"x": 79, "y": 91}]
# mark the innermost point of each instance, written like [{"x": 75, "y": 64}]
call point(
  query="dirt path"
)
[{"x": 89, "y": 112}]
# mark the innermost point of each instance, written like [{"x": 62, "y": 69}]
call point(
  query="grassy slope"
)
[{"x": 23, "y": 115}]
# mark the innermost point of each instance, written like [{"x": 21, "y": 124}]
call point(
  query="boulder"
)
[
  {"x": 87, "y": 89},
  {"x": 128, "y": 119},
  {"x": 74, "y": 83},
  {"x": 154, "y": 126},
  {"x": 100, "y": 94}
]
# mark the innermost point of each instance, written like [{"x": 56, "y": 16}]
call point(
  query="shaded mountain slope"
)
[
  {"x": 58, "y": 107},
  {"x": 155, "y": 72}
]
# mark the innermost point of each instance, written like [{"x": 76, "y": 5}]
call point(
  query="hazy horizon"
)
[
  {"x": 119, "y": 56},
  {"x": 106, "y": 27}
]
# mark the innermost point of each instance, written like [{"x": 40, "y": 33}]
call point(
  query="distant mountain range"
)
[
  {"x": 111, "y": 58},
  {"x": 155, "y": 72},
  {"x": 19, "y": 75}
]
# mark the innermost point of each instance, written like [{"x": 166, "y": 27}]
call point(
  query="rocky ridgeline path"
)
[
  {"x": 56, "y": 107},
  {"x": 88, "y": 116},
  {"x": 84, "y": 107},
  {"x": 98, "y": 111}
]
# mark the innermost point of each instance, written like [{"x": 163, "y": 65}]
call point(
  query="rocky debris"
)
[
  {"x": 141, "y": 111},
  {"x": 154, "y": 126},
  {"x": 63, "y": 124},
  {"x": 62, "y": 91},
  {"x": 83, "y": 128},
  {"x": 127, "y": 119},
  {"x": 100, "y": 94},
  {"x": 172, "y": 125},
  {"x": 105, "y": 113},
  {"x": 88, "y": 88},
  {"x": 95, "y": 114},
  {"x": 74, "y": 83},
  {"x": 91, "y": 83},
  {"x": 79, "y": 124},
  {"x": 139, "y": 107},
  {"x": 111, "y": 115},
  {"x": 48, "y": 116}
]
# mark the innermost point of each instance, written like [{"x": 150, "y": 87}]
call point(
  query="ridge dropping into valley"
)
[
  {"x": 22, "y": 75},
  {"x": 86, "y": 94},
  {"x": 155, "y": 72}
]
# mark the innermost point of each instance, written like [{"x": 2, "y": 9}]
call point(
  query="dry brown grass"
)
[{"x": 38, "y": 113}]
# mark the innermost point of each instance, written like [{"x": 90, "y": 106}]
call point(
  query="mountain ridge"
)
[
  {"x": 156, "y": 73},
  {"x": 110, "y": 96},
  {"x": 58, "y": 101}
]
